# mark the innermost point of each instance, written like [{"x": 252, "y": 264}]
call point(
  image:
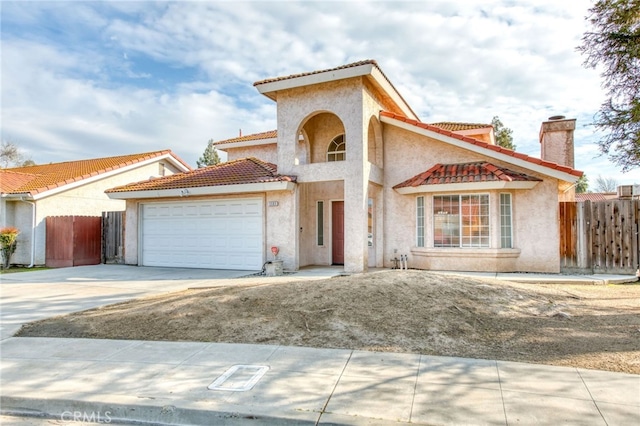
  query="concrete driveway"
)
[{"x": 30, "y": 296}]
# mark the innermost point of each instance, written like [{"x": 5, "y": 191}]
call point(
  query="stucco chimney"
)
[{"x": 556, "y": 138}]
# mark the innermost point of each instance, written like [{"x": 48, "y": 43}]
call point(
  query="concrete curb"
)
[{"x": 100, "y": 412}]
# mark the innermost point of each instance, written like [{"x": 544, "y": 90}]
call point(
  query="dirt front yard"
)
[{"x": 596, "y": 327}]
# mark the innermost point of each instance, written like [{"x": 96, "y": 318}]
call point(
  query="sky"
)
[{"x": 93, "y": 79}]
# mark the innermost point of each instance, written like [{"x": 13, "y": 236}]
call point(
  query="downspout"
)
[{"x": 33, "y": 230}]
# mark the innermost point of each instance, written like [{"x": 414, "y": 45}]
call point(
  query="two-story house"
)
[{"x": 352, "y": 176}]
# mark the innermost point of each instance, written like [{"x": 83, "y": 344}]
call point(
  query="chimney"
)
[{"x": 556, "y": 138}]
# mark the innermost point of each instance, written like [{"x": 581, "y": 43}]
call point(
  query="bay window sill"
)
[{"x": 454, "y": 252}]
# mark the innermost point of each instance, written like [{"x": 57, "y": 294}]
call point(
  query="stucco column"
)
[
  {"x": 355, "y": 200},
  {"x": 283, "y": 227}
]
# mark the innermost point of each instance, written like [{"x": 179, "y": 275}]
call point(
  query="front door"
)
[{"x": 337, "y": 233}]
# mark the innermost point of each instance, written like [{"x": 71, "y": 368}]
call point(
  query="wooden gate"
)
[
  {"x": 73, "y": 241},
  {"x": 112, "y": 237},
  {"x": 601, "y": 237}
]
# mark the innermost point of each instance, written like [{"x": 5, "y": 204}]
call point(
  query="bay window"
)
[{"x": 461, "y": 220}]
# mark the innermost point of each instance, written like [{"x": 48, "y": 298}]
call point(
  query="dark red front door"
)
[{"x": 337, "y": 233}]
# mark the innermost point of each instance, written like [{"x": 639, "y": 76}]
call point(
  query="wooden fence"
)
[
  {"x": 113, "y": 237},
  {"x": 72, "y": 241},
  {"x": 600, "y": 237}
]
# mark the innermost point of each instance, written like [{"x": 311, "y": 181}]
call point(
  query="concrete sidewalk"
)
[{"x": 167, "y": 383}]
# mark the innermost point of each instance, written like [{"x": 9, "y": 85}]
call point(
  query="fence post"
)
[{"x": 583, "y": 235}]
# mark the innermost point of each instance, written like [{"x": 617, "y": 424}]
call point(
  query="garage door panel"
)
[
  {"x": 221, "y": 234},
  {"x": 252, "y": 225}
]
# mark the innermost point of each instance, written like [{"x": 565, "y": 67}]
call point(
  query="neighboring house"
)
[
  {"x": 351, "y": 176},
  {"x": 623, "y": 192},
  {"x": 29, "y": 194}
]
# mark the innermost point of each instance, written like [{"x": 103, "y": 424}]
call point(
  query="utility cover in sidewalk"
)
[{"x": 239, "y": 378}]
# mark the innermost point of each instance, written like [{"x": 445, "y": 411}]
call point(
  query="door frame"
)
[{"x": 331, "y": 201}]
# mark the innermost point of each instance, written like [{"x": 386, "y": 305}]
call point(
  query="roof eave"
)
[
  {"x": 395, "y": 96},
  {"x": 539, "y": 168},
  {"x": 467, "y": 186},
  {"x": 270, "y": 88},
  {"x": 204, "y": 190},
  {"x": 18, "y": 196}
]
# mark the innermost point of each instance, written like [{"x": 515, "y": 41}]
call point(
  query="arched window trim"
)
[{"x": 337, "y": 149}]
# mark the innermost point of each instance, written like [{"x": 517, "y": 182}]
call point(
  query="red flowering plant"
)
[{"x": 8, "y": 243}]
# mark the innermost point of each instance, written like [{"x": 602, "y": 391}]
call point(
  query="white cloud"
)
[{"x": 118, "y": 77}]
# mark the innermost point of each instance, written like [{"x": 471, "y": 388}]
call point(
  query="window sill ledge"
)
[{"x": 489, "y": 253}]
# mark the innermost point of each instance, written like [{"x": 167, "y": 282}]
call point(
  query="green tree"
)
[
  {"x": 503, "y": 135},
  {"x": 582, "y": 185},
  {"x": 209, "y": 157},
  {"x": 613, "y": 45}
]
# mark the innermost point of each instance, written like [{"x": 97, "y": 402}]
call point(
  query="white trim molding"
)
[
  {"x": 204, "y": 190},
  {"x": 467, "y": 186}
]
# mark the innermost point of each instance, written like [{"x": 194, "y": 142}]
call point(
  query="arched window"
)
[{"x": 337, "y": 150}]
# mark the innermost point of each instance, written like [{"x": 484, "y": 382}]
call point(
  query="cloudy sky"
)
[{"x": 91, "y": 79}]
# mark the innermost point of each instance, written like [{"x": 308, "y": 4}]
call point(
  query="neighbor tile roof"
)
[
  {"x": 596, "y": 196},
  {"x": 304, "y": 74},
  {"x": 456, "y": 127},
  {"x": 271, "y": 134},
  {"x": 241, "y": 171},
  {"x": 44, "y": 177},
  {"x": 480, "y": 171},
  {"x": 10, "y": 180},
  {"x": 496, "y": 148}
]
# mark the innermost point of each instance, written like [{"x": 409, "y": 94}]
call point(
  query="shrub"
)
[{"x": 8, "y": 244}]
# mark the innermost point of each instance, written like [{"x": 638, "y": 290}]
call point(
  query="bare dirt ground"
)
[{"x": 595, "y": 327}]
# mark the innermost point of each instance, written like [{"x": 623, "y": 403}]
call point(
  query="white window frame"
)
[
  {"x": 461, "y": 243},
  {"x": 420, "y": 221},
  {"x": 506, "y": 238},
  {"x": 332, "y": 150}
]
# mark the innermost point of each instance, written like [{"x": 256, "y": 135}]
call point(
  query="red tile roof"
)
[
  {"x": 10, "y": 180},
  {"x": 480, "y": 171},
  {"x": 496, "y": 148},
  {"x": 596, "y": 196},
  {"x": 456, "y": 127},
  {"x": 40, "y": 178},
  {"x": 271, "y": 134},
  {"x": 304, "y": 74},
  {"x": 237, "y": 172}
]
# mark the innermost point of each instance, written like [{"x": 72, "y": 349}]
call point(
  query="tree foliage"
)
[
  {"x": 582, "y": 185},
  {"x": 503, "y": 135},
  {"x": 209, "y": 157},
  {"x": 613, "y": 45}
]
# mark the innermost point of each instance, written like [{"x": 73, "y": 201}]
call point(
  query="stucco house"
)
[
  {"x": 28, "y": 195},
  {"x": 352, "y": 176}
]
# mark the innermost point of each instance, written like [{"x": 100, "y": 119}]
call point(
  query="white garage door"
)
[{"x": 221, "y": 234}]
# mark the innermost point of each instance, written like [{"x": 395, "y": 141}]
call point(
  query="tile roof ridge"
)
[
  {"x": 303, "y": 74},
  {"x": 19, "y": 172},
  {"x": 249, "y": 137},
  {"x": 509, "y": 152},
  {"x": 476, "y": 125}
]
